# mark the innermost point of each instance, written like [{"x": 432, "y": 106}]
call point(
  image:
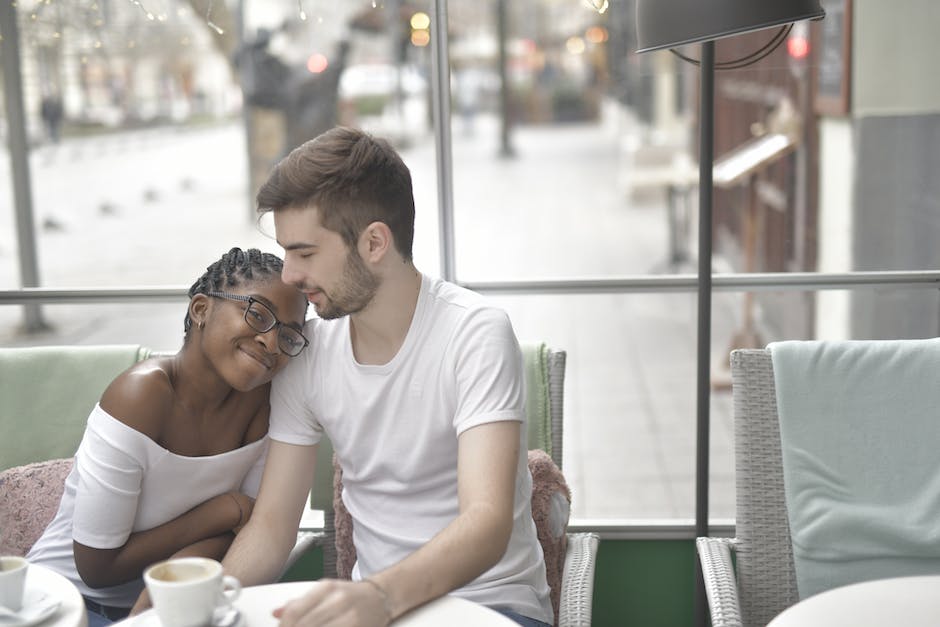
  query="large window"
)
[{"x": 567, "y": 171}]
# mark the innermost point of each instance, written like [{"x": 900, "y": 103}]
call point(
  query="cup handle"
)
[{"x": 231, "y": 588}]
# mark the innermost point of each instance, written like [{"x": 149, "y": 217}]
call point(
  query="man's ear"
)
[{"x": 375, "y": 242}]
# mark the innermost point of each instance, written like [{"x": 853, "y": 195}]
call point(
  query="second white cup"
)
[
  {"x": 12, "y": 581},
  {"x": 187, "y": 591}
]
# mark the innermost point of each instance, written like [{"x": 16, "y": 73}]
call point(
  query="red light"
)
[
  {"x": 798, "y": 47},
  {"x": 317, "y": 63}
]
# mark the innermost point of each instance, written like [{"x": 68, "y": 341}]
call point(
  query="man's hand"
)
[{"x": 337, "y": 603}]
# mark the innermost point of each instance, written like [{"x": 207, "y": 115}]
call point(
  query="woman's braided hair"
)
[{"x": 236, "y": 267}]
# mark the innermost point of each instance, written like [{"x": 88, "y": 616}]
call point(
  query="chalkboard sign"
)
[{"x": 834, "y": 62}]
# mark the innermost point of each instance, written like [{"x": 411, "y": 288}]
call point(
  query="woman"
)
[{"x": 172, "y": 453}]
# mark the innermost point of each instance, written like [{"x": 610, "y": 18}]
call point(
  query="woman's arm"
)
[{"x": 196, "y": 529}]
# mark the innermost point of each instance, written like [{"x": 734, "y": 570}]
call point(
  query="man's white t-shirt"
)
[{"x": 394, "y": 428}]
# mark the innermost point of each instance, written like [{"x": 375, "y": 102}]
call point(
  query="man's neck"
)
[{"x": 378, "y": 331}]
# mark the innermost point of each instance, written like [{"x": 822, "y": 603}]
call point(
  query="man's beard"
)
[{"x": 356, "y": 289}]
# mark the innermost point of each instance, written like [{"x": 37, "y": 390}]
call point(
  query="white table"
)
[
  {"x": 50, "y": 585},
  {"x": 901, "y": 601},
  {"x": 257, "y": 602}
]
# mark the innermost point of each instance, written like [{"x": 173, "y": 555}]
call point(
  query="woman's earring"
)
[{"x": 202, "y": 324}]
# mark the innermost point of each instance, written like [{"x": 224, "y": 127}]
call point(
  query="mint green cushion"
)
[
  {"x": 46, "y": 394},
  {"x": 859, "y": 433},
  {"x": 538, "y": 409}
]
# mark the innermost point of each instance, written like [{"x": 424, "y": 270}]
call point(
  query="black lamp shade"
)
[{"x": 673, "y": 23}]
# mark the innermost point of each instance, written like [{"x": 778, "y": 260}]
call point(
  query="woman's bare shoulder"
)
[{"x": 142, "y": 396}]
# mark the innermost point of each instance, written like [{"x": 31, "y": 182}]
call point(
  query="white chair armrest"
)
[
  {"x": 720, "y": 584},
  {"x": 305, "y": 540},
  {"x": 577, "y": 584}
]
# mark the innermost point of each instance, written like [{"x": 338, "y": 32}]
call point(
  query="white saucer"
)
[
  {"x": 37, "y": 607},
  {"x": 222, "y": 619}
]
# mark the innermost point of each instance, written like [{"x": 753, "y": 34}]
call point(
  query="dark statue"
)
[{"x": 308, "y": 101}]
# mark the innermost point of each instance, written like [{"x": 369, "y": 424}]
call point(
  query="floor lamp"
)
[{"x": 668, "y": 24}]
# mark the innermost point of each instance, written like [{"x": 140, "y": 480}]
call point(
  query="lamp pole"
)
[{"x": 703, "y": 379}]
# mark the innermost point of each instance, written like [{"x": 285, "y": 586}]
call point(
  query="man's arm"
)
[
  {"x": 470, "y": 545},
  {"x": 261, "y": 548}
]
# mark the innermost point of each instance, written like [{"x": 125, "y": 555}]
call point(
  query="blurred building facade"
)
[{"x": 116, "y": 64}]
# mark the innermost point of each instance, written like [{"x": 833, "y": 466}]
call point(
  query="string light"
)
[
  {"x": 140, "y": 6},
  {"x": 209, "y": 21},
  {"x": 300, "y": 6}
]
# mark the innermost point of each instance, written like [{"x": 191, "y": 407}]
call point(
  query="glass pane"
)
[
  {"x": 537, "y": 147},
  {"x": 822, "y": 163},
  {"x": 169, "y": 127},
  {"x": 629, "y": 423}
]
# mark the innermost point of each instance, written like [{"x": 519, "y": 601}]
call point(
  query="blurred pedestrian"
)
[
  {"x": 469, "y": 88},
  {"x": 52, "y": 112}
]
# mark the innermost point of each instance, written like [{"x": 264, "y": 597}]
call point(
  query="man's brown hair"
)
[{"x": 352, "y": 178}]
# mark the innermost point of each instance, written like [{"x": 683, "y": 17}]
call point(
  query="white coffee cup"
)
[
  {"x": 12, "y": 581},
  {"x": 187, "y": 591}
]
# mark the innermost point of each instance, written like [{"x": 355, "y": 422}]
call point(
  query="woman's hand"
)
[{"x": 143, "y": 603}]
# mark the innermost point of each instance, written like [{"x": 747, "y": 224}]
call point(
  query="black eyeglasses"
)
[{"x": 260, "y": 318}]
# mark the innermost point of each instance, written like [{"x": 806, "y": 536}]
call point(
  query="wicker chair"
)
[
  {"x": 545, "y": 370},
  {"x": 897, "y": 375},
  {"x": 761, "y": 582}
]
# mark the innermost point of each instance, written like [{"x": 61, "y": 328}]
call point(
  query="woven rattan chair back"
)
[{"x": 765, "y": 573}]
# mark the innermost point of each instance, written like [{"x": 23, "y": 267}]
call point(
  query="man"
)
[{"x": 418, "y": 384}]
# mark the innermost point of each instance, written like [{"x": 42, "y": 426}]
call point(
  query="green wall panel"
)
[
  {"x": 307, "y": 568},
  {"x": 644, "y": 582}
]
